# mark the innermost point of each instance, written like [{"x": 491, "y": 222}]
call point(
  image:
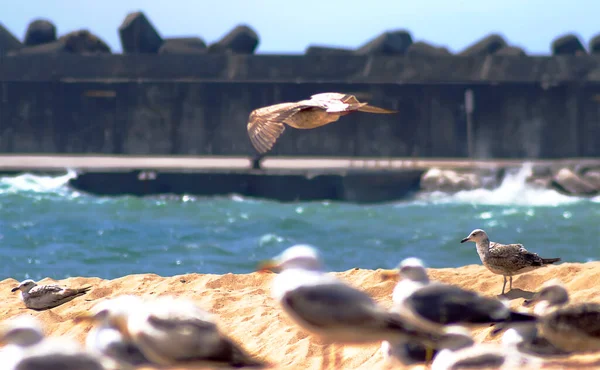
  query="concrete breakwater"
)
[
  {"x": 173, "y": 96},
  {"x": 359, "y": 180}
]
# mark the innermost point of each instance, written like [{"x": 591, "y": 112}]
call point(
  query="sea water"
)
[{"x": 50, "y": 230}]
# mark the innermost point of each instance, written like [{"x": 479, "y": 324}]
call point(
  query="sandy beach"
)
[{"x": 250, "y": 316}]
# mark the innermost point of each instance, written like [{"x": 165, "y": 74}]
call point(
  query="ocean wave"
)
[
  {"x": 31, "y": 183},
  {"x": 514, "y": 190}
]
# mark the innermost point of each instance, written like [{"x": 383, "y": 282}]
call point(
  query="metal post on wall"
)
[{"x": 469, "y": 107}]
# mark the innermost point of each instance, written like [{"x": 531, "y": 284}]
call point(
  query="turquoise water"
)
[{"x": 50, "y": 230}]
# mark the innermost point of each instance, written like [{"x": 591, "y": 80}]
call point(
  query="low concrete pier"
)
[{"x": 360, "y": 180}]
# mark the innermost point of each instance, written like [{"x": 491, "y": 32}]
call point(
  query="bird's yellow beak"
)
[
  {"x": 267, "y": 265},
  {"x": 120, "y": 323},
  {"x": 84, "y": 316},
  {"x": 389, "y": 274}
]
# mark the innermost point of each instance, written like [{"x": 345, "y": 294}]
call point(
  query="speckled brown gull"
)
[
  {"x": 569, "y": 327},
  {"x": 42, "y": 297},
  {"x": 266, "y": 124},
  {"x": 506, "y": 259}
]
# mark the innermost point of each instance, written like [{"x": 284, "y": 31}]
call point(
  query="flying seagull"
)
[
  {"x": 506, "y": 259},
  {"x": 266, "y": 124},
  {"x": 42, "y": 297}
]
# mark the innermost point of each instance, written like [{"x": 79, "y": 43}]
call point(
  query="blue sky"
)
[{"x": 290, "y": 26}]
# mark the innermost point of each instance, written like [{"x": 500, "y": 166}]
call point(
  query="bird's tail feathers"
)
[
  {"x": 371, "y": 109},
  {"x": 242, "y": 359},
  {"x": 521, "y": 317},
  {"x": 83, "y": 290}
]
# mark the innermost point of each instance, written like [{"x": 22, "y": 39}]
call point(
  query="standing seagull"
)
[
  {"x": 506, "y": 259},
  {"x": 42, "y": 297},
  {"x": 266, "y": 124},
  {"x": 336, "y": 312},
  {"x": 572, "y": 328}
]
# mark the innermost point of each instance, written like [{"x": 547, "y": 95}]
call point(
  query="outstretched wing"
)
[{"x": 265, "y": 125}]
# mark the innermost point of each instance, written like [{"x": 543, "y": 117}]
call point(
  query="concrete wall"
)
[{"x": 525, "y": 107}]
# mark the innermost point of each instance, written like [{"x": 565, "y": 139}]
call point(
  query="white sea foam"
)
[
  {"x": 513, "y": 190},
  {"x": 37, "y": 184}
]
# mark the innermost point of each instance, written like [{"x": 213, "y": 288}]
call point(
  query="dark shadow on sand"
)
[{"x": 517, "y": 293}]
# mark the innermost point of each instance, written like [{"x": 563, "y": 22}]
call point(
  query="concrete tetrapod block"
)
[
  {"x": 138, "y": 35},
  {"x": 40, "y": 31}
]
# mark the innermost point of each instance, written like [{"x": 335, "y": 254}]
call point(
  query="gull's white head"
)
[
  {"x": 514, "y": 336},
  {"x": 23, "y": 331},
  {"x": 413, "y": 269},
  {"x": 24, "y": 286},
  {"x": 553, "y": 293},
  {"x": 476, "y": 236},
  {"x": 300, "y": 256}
]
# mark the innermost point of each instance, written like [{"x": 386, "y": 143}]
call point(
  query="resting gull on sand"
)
[
  {"x": 27, "y": 349},
  {"x": 528, "y": 340},
  {"x": 464, "y": 353},
  {"x": 42, "y": 297},
  {"x": 570, "y": 327},
  {"x": 506, "y": 259},
  {"x": 175, "y": 331},
  {"x": 105, "y": 338},
  {"x": 333, "y": 311},
  {"x": 435, "y": 304}
]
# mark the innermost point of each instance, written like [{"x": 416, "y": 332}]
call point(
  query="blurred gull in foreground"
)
[
  {"x": 434, "y": 305},
  {"x": 105, "y": 339},
  {"x": 174, "y": 331},
  {"x": 333, "y": 311},
  {"x": 506, "y": 259},
  {"x": 28, "y": 349},
  {"x": 528, "y": 340},
  {"x": 42, "y": 297},
  {"x": 574, "y": 327},
  {"x": 464, "y": 353}
]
